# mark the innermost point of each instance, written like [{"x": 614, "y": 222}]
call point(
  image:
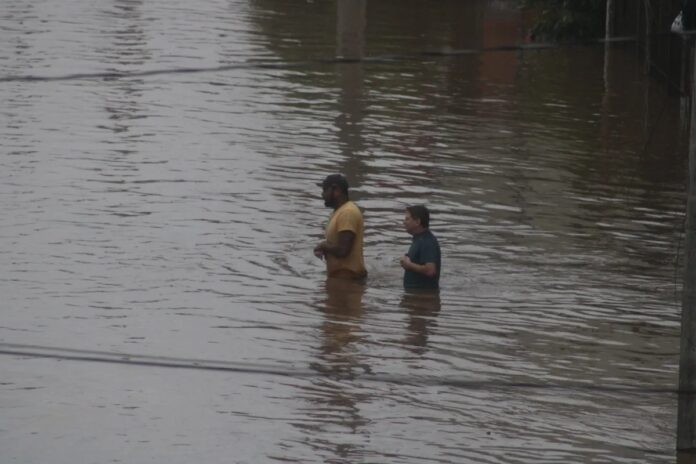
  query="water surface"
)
[{"x": 157, "y": 233}]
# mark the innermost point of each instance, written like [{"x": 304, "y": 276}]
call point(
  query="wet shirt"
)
[
  {"x": 424, "y": 249},
  {"x": 346, "y": 218}
]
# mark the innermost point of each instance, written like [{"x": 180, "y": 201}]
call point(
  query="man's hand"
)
[
  {"x": 320, "y": 250},
  {"x": 340, "y": 249},
  {"x": 427, "y": 269}
]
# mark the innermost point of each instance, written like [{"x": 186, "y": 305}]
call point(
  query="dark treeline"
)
[{"x": 564, "y": 20}]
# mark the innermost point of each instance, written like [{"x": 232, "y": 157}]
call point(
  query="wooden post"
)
[{"x": 686, "y": 420}]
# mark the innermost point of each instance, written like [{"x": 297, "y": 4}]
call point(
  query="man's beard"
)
[{"x": 330, "y": 203}]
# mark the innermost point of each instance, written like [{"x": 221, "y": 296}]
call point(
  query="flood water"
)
[{"x": 160, "y": 299}]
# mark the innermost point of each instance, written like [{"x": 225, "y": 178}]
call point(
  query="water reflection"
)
[
  {"x": 334, "y": 410},
  {"x": 422, "y": 309},
  {"x": 343, "y": 311},
  {"x": 127, "y": 47},
  {"x": 351, "y": 104},
  {"x": 557, "y": 189}
]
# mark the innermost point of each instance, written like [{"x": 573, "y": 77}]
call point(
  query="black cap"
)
[{"x": 335, "y": 179}]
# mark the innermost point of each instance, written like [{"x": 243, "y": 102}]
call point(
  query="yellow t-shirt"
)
[{"x": 346, "y": 217}]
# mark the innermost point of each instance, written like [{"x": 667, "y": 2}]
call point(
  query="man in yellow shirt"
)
[{"x": 343, "y": 247}]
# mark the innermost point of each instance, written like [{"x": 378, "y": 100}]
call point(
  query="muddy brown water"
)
[{"x": 160, "y": 299}]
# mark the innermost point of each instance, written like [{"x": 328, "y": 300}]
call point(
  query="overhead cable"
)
[{"x": 313, "y": 371}]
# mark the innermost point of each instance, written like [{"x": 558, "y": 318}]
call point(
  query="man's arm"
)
[
  {"x": 427, "y": 269},
  {"x": 341, "y": 249},
  {"x": 429, "y": 256}
]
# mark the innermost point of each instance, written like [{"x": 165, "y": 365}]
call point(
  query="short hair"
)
[
  {"x": 336, "y": 179},
  {"x": 421, "y": 213}
]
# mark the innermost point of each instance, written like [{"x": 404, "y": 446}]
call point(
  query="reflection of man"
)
[
  {"x": 339, "y": 359},
  {"x": 343, "y": 247},
  {"x": 344, "y": 309},
  {"x": 422, "y": 262},
  {"x": 423, "y": 308}
]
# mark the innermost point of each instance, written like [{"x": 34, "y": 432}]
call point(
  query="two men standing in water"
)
[{"x": 343, "y": 247}]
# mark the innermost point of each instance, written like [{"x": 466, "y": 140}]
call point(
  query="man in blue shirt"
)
[{"x": 422, "y": 262}]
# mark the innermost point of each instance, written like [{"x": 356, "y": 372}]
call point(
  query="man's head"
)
[
  {"x": 416, "y": 219},
  {"x": 334, "y": 190}
]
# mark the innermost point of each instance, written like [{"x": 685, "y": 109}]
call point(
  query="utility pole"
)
[
  {"x": 648, "y": 37},
  {"x": 686, "y": 422},
  {"x": 350, "y": 29},
  {"x": 608, "y": 32},
  {"x": 608, "y": 26}
]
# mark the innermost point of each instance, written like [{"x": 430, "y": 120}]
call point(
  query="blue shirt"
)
[{"x": 424, "y": 249}]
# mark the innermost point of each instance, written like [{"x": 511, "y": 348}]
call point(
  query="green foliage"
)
[{"x": 568, "y": 20}]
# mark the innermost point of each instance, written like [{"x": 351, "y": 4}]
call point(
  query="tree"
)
[{"x": 567, "y": 20}]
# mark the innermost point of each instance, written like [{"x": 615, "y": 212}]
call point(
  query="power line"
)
[
  {"x": 381, "y": 59},
  {"x": 68, "y": 354}
]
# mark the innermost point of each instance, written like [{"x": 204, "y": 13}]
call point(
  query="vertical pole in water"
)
[
  {"x": 351, "y": 21},
  {"x": 607, "y": 35},
  {"x": 608, "y": 26},
  {"x": 350, "y": 29},
  {"x": 686, "y": 422},
  {"x": 648, "y": 37},
  {"x": 647, "y": 65}
]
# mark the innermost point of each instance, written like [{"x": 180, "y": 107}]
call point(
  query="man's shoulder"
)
[
  {"x": 348, "y": 217},
  {"x": 432, "y": 236},
  {"x": 350, "y": 208},
  {"x": 429, "y": 239}
]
